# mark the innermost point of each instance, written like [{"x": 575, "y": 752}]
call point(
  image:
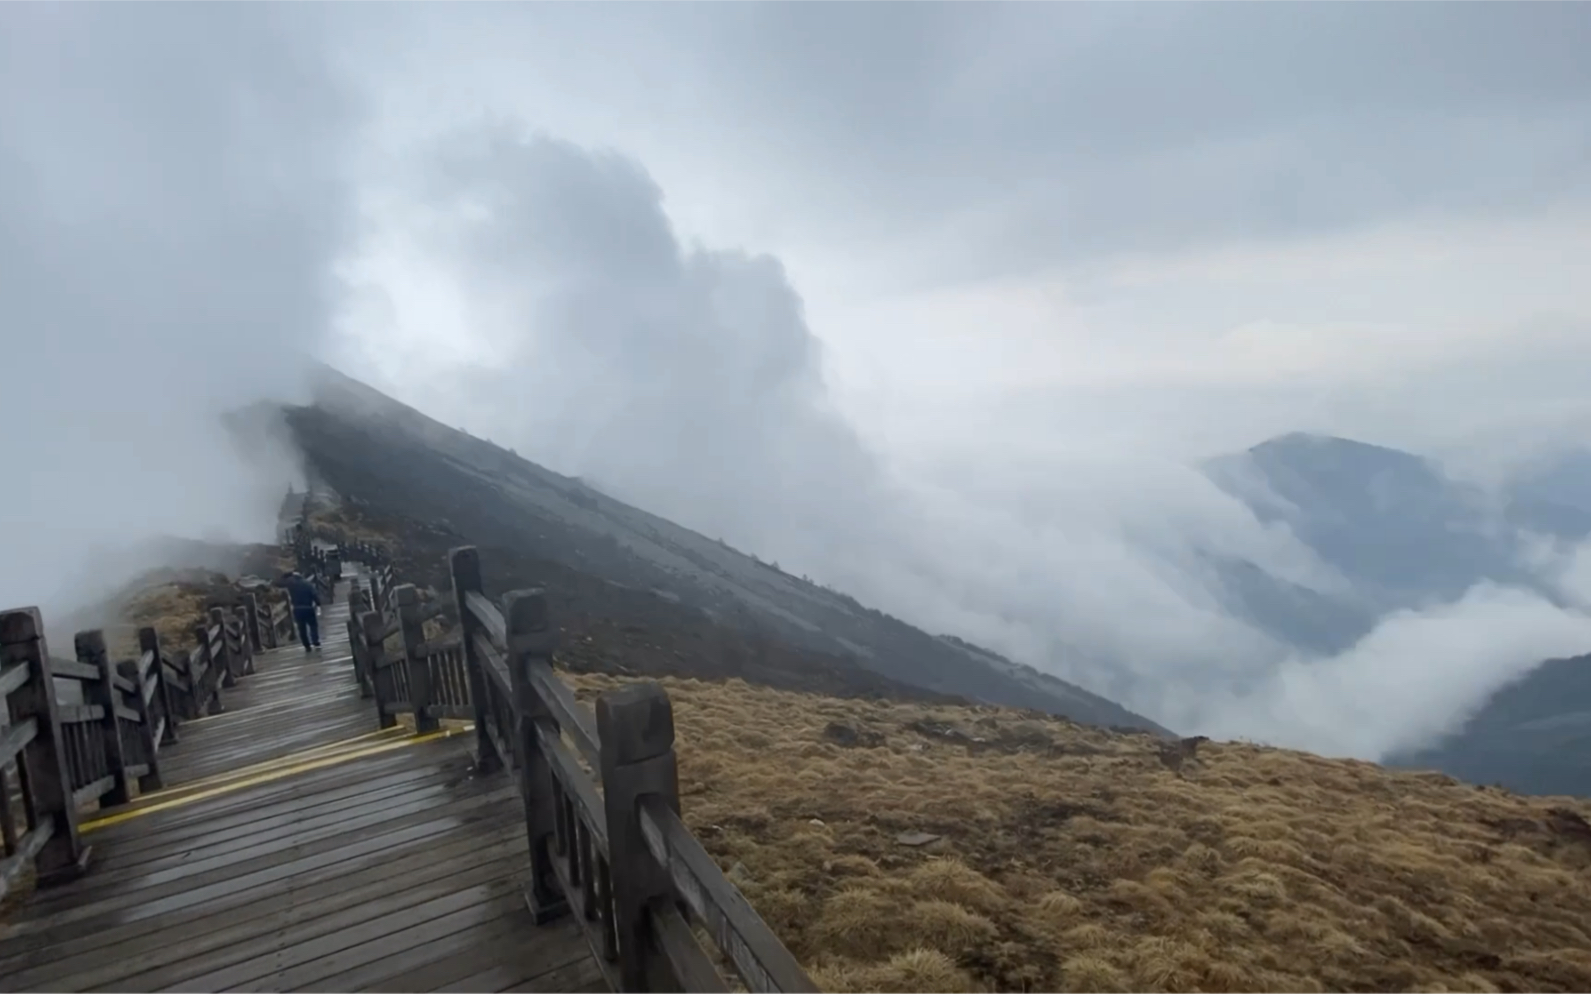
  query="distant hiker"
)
[{"x": 301, "y": 594}]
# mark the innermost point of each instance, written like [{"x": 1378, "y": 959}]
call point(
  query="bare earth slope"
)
[{"x": 609, "y": 560}]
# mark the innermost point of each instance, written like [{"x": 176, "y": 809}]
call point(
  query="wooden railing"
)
[
  {"x": 600, "y": 791},
  {"x": 86, "y": 730},
  {"x": 78, "y": 731}
]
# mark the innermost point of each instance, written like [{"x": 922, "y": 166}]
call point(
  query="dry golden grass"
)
[
  {"x": 1072, "y": 858},
  {"x": 172, "y": 608}
]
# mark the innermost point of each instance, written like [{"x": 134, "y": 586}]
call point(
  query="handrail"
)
[
  {"x": 607, "y": 846},
  {"x": 107, "y": 747}
]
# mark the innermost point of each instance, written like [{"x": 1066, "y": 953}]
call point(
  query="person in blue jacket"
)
[{"x": 301, "y": 594}]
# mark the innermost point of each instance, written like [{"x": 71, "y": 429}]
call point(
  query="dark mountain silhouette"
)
[{"x": 643, "y": 593}]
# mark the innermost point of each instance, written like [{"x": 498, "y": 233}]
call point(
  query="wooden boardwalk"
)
[{"x": 298, "y": 848}]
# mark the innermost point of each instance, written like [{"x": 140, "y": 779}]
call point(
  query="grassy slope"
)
[{"x": 1080, "y": 859}]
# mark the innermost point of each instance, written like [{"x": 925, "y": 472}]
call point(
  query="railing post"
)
[
  {"x": 266, "y": 620},
  {"x": 245, "y": 650},
  {"x": 90, "y": 647},
  {"x": 531, "y": 636},
  {"x": 251, "y": 624},
  {"x": 149, "y": 641},
  {"x": 412, "y": 630},
  {"x": 635, "y": 731},
  {"x": 371, "y": 624},
  {"x": 356, "y": 648},
  {"x": 202, "y": 675},
  {"x": 465, "y": 565},
  {"x": 146, "y": 716},
  {"x": 229, "y": 679},
  {"x": 48, "y": 793}
]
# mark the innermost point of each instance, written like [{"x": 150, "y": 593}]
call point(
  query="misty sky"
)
[{"x": 933, "y": 302}]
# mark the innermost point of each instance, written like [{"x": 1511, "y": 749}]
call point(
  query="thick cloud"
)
[
  {"x": 170, "y": 210},
  {"x": 1015, "y": 134},
  {"x": 686, "y": 379}
]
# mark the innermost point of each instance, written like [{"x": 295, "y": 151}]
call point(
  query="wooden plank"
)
[
  {"x": 515, "y": 942},
  {"x": 580, "y": 976},
  {"x": 226, "y": 827},
  {"x": 490, "y": 617},
  {"x": 93, "y": 791},
  {"x": 574, "y": 718},
  {"x": 12, "y": 742},
  {"x": 264, "y": 908},
  {"x": 80, "y": 714},
  {"x": 225, "y": 966},
  {"x": 522, "y": 973},
  {"x": 73, "y": 669},
  {"x": 262, "y": 854},
  {"x": 676, "y": 945},
  {"x": 12, "y": 866},
  {"x": 124, "y": 906},
  {"x": 322, "y": 949},
  {"x": 762, "y": 960},
  {"x": 12, "y": 677}
]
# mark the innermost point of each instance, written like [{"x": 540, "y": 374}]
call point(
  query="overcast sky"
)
[
  {"x": 1189, "y": 226},
  {"x": 935, "y": 302}
]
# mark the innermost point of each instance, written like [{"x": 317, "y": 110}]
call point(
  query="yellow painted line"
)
[
  {"x": 269, "y": 776},
  {"x": 253, "y": 769}
]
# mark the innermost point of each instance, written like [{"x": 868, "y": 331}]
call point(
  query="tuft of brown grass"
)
[{"x": 1073, "y": 858}]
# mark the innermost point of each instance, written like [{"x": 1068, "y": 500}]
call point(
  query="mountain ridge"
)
[{"x": 393, "y": 458}]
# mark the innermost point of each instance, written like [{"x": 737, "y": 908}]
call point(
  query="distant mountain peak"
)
[{"x": 1334, "y": 450}]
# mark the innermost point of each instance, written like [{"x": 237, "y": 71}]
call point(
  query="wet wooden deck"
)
[{"x": 298, "y": 849}]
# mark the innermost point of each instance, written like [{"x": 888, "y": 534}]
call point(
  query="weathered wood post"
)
[
  {"x": 149, "y": 641},
  {"x": 465, "y": 565},
  {"x": 149, "y": 747},
  {"x": 419, "y": 667},
  {"x": 182, "y": 663},
  {"x": 371, "y": 625},
  {"x": 102, "y": 692},
  {"x": 267, "y": 619},
  {"x": 240, "y": 616},
  {"x": 203, "y": 673},
  {"x": 531, "y": 636},
  {"x": 223, "y": 659},
  {"x": 356, "y": 649},
  {"x": 635, "y": 729},
  {"x": 48, "y": 793},
  {"x": 251, "y": 623}
]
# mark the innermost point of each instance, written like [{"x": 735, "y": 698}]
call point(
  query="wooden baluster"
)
[
  {"x": 221, "y": 657},
  {"x": 635, "y": 730},
  {"x": 465, "y": 565},
  {"x": 417, "y": 665},
  {"x": 356, "y": 647},
  {"x": 245, "y": 648},
  {"x": 202, "y": 676},
  {"x": 251, "y": 622},
  {"x": 531, "y": 636},
  {"x": 47, "y": 786},
  {"x": 382, "y": 687},
  {"x": 91, "y": 650},
  {"x": 149, "y": 641},
  {"x": 8, "y": 817},
  {"x": 149, "y": 748}
]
